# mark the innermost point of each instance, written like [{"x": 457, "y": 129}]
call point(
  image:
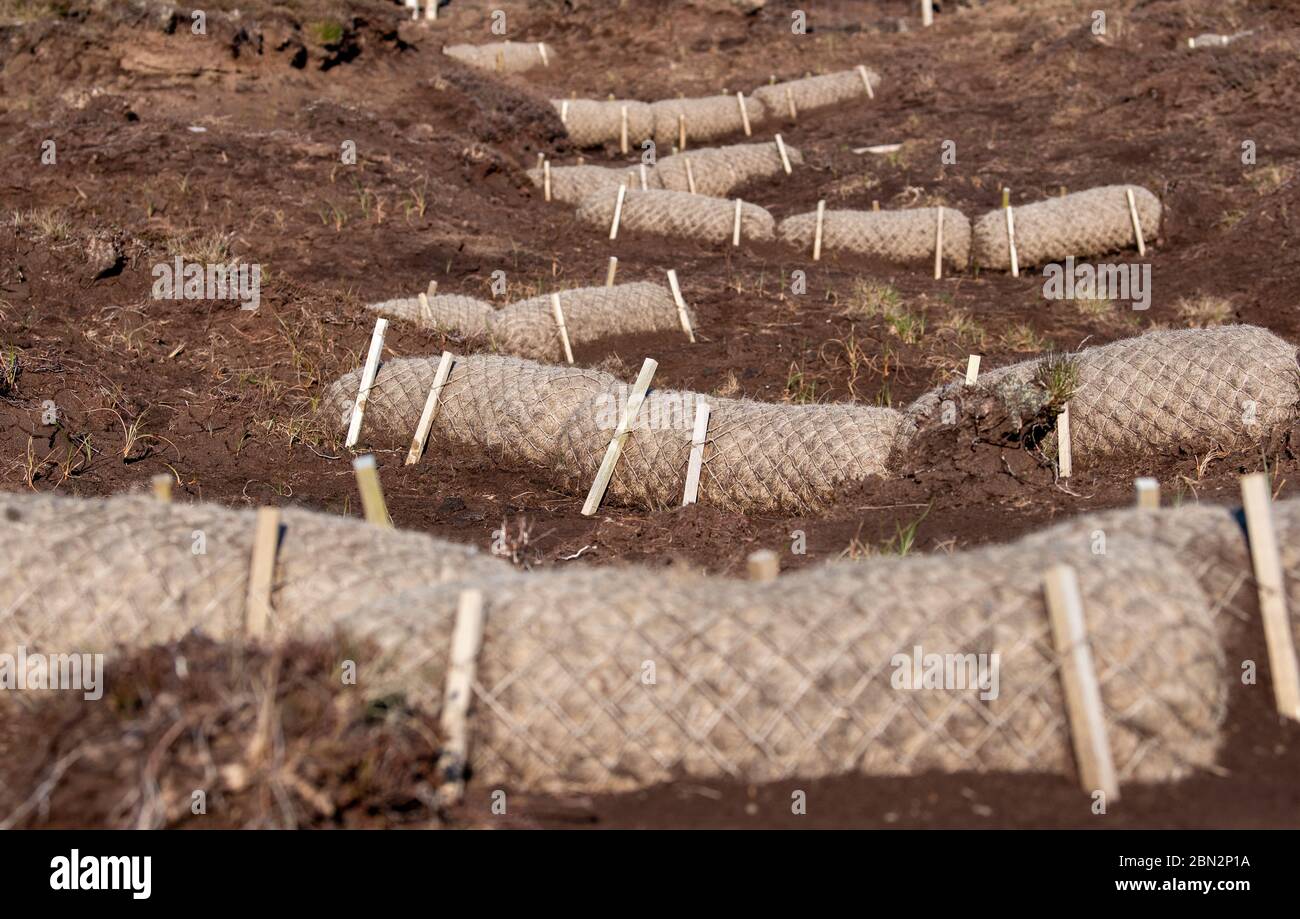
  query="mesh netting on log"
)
[
  {"x": 679, "y": 214},
  {"x": 759, "y": 456},
  {"x": 528, "y": 328},
  {"x": 706, "y": 119},
  {"x": 758, "y": 682},
  {"x": 1190, "y": 389},
  {"x": 507, "y": 56},
  {"x": 571, "y": 184},
  {"x": 452, "y": 313},
  {"x": 592, "y": 122},
  {"x": 719, "y": 170},
  {"x": 906, "y": 237},
  {"x": 1081, "y": 224},
  {"x": 816, "y": 92}
]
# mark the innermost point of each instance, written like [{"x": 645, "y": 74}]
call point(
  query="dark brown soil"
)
[{"x": 223, "y": 399}]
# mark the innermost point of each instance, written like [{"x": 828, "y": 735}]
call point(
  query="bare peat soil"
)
[{"x": 227, "y": 145}]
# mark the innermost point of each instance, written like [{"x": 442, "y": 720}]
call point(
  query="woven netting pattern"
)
[
  {"x": 592, "y": 122},
  {"x": 528, "y": 328},
  {"x": 1192, "y": 389},
  {"x": 717, "y": 171},
  {"x": 678, "y": 214},
  {"x": 762, "y": 682},
  {"x": 451, "y": 313},
  {"x": 900, "y": 236},
  {"x": 1081, "y": 224},
  {"x": 571, "y": 184},
  {"x": 759, "y": 456},
  {"x": 707, "y": 118},
  {"x": 510, "y": 56},
  {"x": 816, "y": 92}
]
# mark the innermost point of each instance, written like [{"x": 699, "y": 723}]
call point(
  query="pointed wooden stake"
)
[
  {"x": 690, "y": 176},
  {"x": 763, "y": 566},
  {"x": 613, "y": 270},
  {"x": 744, "y": 113},
  {"x": 1148, "y": 493},
  {"x": 430, "y": 411},
  {"x": 618, "y": 212},
  {"x": 972, "y": 369},
  {"x": 372, "y": 494},
  {"x": 546, "y": 178},
  {"x": 622, "y": 134},
  {"x": 817, "y": 233},
  {"x": 785, "y": 160},
  {"x": 696, "y": 463},
  {"x": 558, "y": 312},
  {"x": 681, "y": 132},
  {"x": 789, "y": 101},
  {"x": 938, "y": 243},
  {"x": 1064, "y": 449},
  {"x": 462, "y": 668},
  {"x": 735, "y": 230},
  {"x": 368, "y": 374},
  {"x": 1257, "y": 502},
  {"x": 1137, "y": 224},
  {"x": 682, "y": 313},
  {"x": 866, "y": 81},
  {"x": 624, "y": 428},
  {"x": 162, "y": 486}
]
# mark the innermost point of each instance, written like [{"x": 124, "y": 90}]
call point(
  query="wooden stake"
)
[
  {"x": 1258, "y": 505},
  {"x": 162, "y": 486},
  {"x": 1137, "y": 224},
  {"x": 622, "y": 134},
  {"x": 421, "y": 437},
  {"x": 546, "y": 178},
  {"x": 367, "y": 381},
  {"x": 1148, "y": 492},
  {"x": 372, "y": 494},
  {"x": 558, "y": 312},
  {"x": 875, "y": 205},
  {"x": 613, "y": 270},
  {"x": 696, "y": 462},
  {"x": 261, "y": 574},
  {"x": 927, "y": 13},
  {"x": 618, "y": 212},
  {"x": 432, "y": 289},
  {"x": 789, "y": 101},
  {"x": 541, "y": 49},
  {"x": 644, "y": 185},
  {"x": 431, "y": 10},
  {"x": 972, "y": 369},
  {"x": 763, "y": 565},
  {"x": 462, "y": 668},
  {"x": 866, "y": 81},
  {"x": 735, "y": 230},
  {"x": 1079, "y": 680},
  {"x": 1006, "y": 197},
  {"x": 785, "y": 160},
  {"x": 1011, "y": 240},
  {"x": 938, "y": 243},
  {"x": 564, "y": 112},
  {"x": 1064, "y": 456},
  {"x": 625, "y": 423},
  {"x": 817, "y": 233},
  {"x": 744, "y": 114},
  {"x": 690, "y": 176},
  {"x": 426, "y": 311},
  {"x": 682, "y": 314},
  {"x": 681, "y": 132},
  {"x": 501, "y": 61}
]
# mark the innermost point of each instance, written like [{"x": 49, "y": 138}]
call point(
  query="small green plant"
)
[
  {"x": 798, "y": 389},
  {"x": 1058, "y": 375},
  {"x": 871, "y": 299},
  {"x": 904, "y": 538},
  {"x": 329, "y": 32},
  {"x": 909, "y": 327}
]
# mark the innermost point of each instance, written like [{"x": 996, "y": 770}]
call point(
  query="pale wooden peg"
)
[
  {"x": 558, "y": 312},
  {"x": 682, "y": 312},
  {"x": 875, "y": 205},
  {"x": 1083, "y": 703},
  {"x": 430, "y": 411},
  {"x": 615, "y": 448},
  {"x": 690, "y": 176},
  {"x": 972, "y": 369},
  {"x": 681, "y": 132},
  {"x": 368, "y": 374},
  {"x": 938, "y": 243},
  {"x": 564, "y": 112},
  {"x": 645, "y": 186},
  {"x": 546, "y": 178},
  {"x": 785, "y": 159},
  {"x": 696, "y": 463},
  {"x": 162, "y": 486},
  {"x": 744, "y": 113},
  {"x": 763, "y": 566},
  {"x": 817, "y": 232},
  {"x": 927, "y": 13},
  {"x": 1064, "y": 455},
  {"x": 261, "y": 574},
  {"x": 541, "y": 49},
  {"x": 613, "y": 270},
  {"x": 866, "y": 81},
  {"x": 1137, "y": 223},
  {"x": 1148, "y": 492},
  {"x": 1011, "y": 232},
  {"x": 426, "y": 311},
  {"x": 432, "y": 289},
  {"x": 462, "y": 669},
  {"x": 622, "y": 134},
  {"x": 789, "y": 101},
  {"x": 372, "y": 493},
  {"x": 735, "y": 230},
  {"x": 1257, "y": 502},
  {"x": 618, "y": 212}
]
